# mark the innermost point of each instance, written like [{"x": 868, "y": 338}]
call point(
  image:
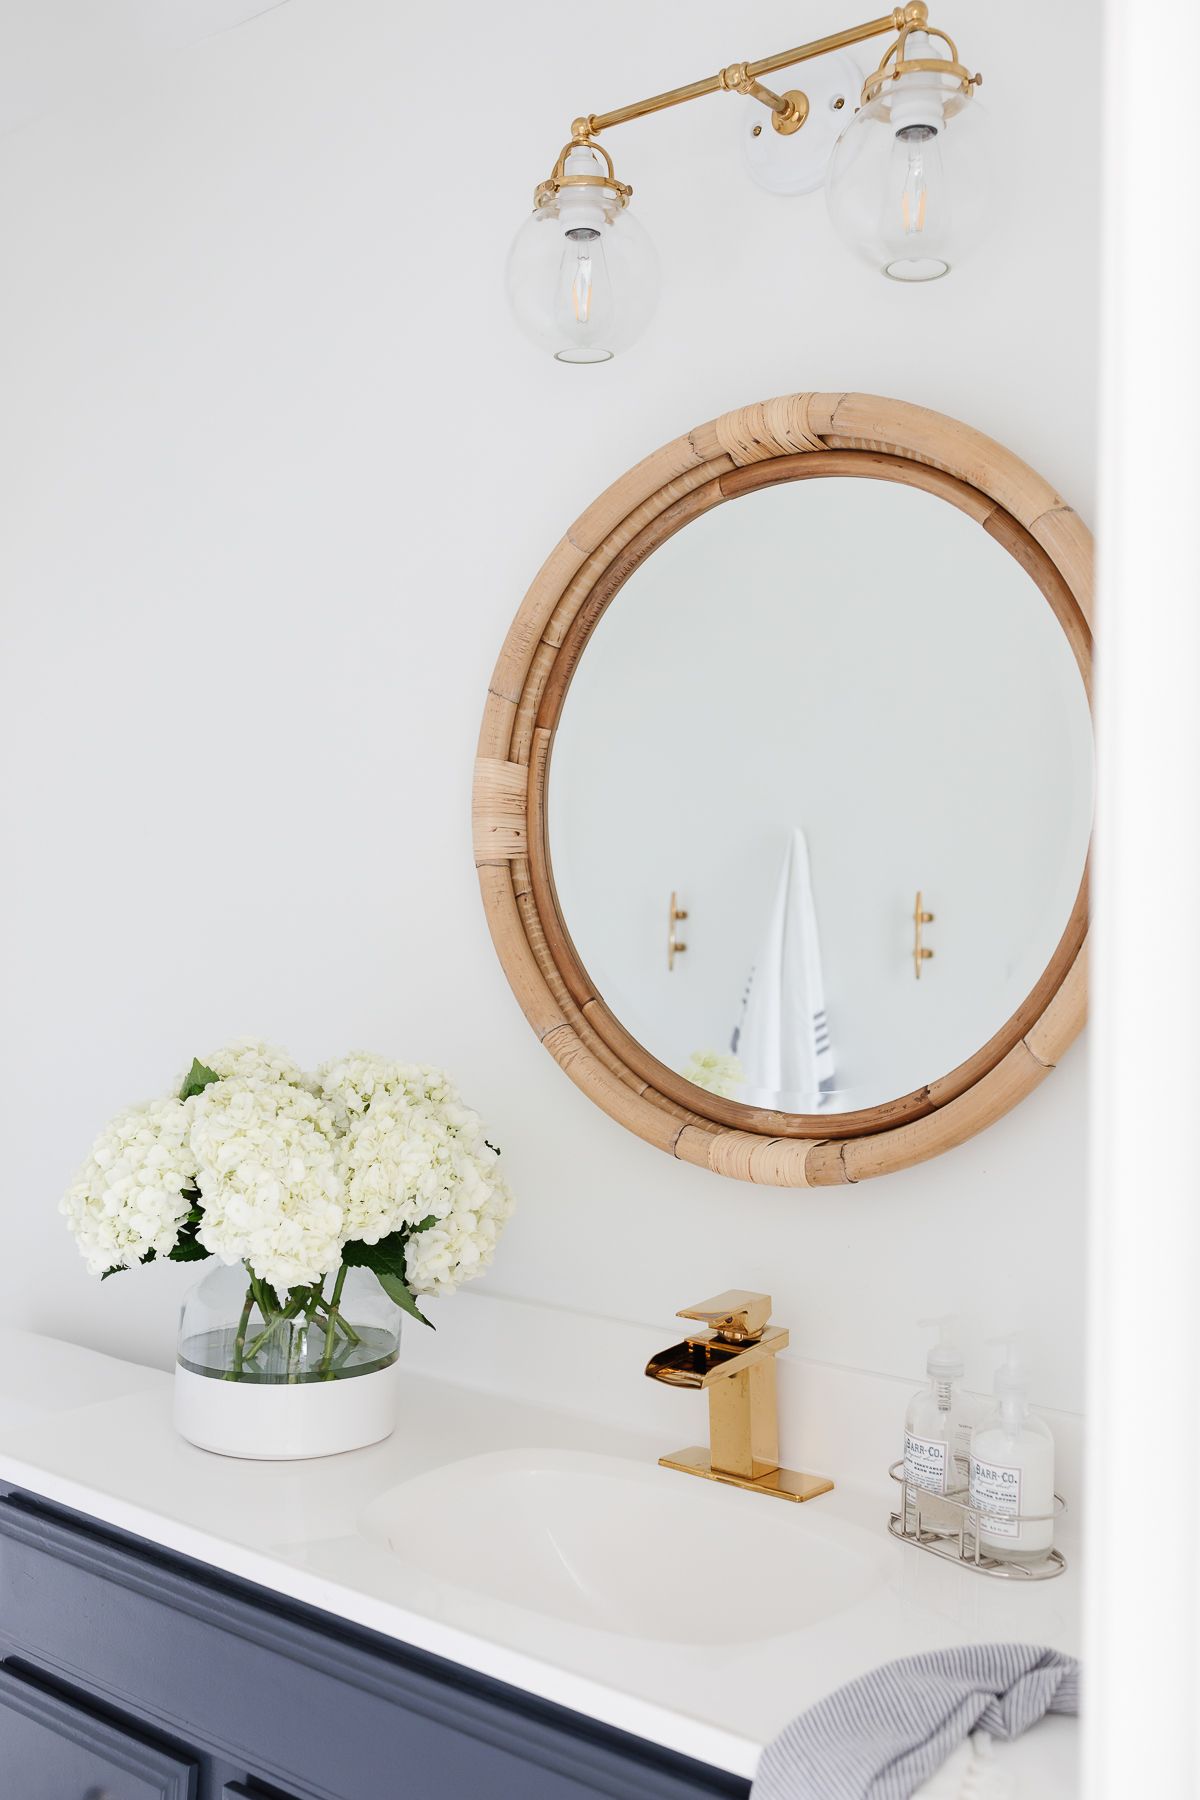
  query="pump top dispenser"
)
[
  {"x": 1010, "y": 1384},
  {"x": 1012, "y": 1468},
  {"x": 945, "y": 1359}
]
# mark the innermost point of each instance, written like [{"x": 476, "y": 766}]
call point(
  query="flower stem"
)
[
  {"x": 327, "y": 1354},
  {"x": 333, "y": 1320},
  {"x": 239, "y": 1342},
  {"x": 310, "y": 1306},
  {"x": 343, "y": 1324},
  {"x": 280, "y": 1318}
]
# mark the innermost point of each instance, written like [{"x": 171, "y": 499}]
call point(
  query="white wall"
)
[
  {"x": 1141, "y": 1724},
  {"x": 276, "y": 472}
]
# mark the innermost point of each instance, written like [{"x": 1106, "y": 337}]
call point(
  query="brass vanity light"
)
[
  {"x": 582, "y": 275},
  {"x": 675, "y": 947},
  {"x": 921, "y": 952},
  {"x": 733, "y": 1361}
]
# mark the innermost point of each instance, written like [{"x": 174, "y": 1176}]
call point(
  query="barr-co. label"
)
[{"x": 996, "y": 1495}]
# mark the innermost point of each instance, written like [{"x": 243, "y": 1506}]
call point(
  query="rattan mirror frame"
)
[{"x": 793, "y": 438}]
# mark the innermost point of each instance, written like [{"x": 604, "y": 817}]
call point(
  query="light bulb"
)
[
  {"x": 585, "y": 309},
  {"x": 582, "y": 274},
  {"x": 914, "y": 193},
  {"x": 908, "y": 184},
  {"x": 919, "y": 205}
]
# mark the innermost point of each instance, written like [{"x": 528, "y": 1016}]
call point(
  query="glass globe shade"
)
[
  {"x": 582, "y": 276},
  {"x": 908, "y": 185}
]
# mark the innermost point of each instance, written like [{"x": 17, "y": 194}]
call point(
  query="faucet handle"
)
[{"x": 737, "y": 1316}]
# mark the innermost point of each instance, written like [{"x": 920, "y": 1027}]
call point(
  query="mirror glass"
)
[{"x": 810, "y": 704}]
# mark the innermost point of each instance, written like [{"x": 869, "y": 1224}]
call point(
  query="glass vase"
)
[{"x": 274, "y": 1377}]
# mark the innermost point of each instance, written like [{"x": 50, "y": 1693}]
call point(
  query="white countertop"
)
[{"x": 95, "y": 1434}]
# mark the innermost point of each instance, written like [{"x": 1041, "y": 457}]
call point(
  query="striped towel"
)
[{"x": 880, "y": 1737}]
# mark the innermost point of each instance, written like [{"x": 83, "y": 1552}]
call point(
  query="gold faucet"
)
[{"x": 733, "y": 1360}]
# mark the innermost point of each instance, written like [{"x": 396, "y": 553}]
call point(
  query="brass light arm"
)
[
  {"x": 916, "y": 14},
  {"x": 788, "y": 110},
  {"x": 743, "y": 78}
]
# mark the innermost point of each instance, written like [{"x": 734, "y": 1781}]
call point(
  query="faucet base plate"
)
[{"x": 785, "y": 1484}]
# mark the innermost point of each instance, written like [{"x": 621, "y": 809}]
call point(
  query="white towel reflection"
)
[{"x": 782, "y": 1041}]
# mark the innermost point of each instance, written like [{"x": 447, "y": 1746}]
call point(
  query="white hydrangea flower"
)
[
  {"x": 460, "y": 1246},
  {"x": 403, "y": 1162},
  {"x": 252, "y": 1059},
  {"x": 350, "y": 1083},
  {"x": 413, "y": 1151},
  {"x": 355, "y": 1082},
  {"x": 267, "y": 1169},
  {"x": 128, "y": 1198},
  {"x": 719, "y": 1074},
  {"x": 389, "y": 1174}
]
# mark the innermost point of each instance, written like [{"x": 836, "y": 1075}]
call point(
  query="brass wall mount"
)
[
  {"x": 921, "y": 918},
  {"x": 733, "y": 1360},
  {"x": 788, "y": 111}
]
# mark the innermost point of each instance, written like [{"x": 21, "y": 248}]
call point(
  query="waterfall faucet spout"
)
[{"x": 733, "y": 1361}]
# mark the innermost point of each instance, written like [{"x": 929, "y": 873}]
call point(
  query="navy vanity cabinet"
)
[
  {"x": 52, "y": 1750},
  {"x": 112, "y": 1648}
]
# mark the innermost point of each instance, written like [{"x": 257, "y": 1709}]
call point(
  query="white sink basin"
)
[{"x": 625, "y": 1547}]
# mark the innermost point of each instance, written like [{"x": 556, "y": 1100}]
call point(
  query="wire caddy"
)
[{"x": 946, "y": 1525}]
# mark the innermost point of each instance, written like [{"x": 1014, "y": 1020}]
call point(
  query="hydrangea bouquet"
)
[{"x": 368, "y": 1164}]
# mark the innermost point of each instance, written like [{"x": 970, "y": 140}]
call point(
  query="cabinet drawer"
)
[{"x": 51, "y": 1749}]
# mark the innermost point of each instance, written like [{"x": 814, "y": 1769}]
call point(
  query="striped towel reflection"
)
[{"x": 880, "y": 1737}]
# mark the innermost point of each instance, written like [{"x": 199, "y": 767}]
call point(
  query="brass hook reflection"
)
[
  {"x": 920, "y": 952},
  {"x": 674, "y": 946}
]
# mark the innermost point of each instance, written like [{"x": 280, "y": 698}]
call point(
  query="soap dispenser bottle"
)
[
  {"x": 937, "y": 1429},
  {"x": 1012, "y": 1469}
]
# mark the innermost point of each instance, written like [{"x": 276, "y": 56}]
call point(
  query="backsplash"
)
[{"x": 835, "y": 1420}]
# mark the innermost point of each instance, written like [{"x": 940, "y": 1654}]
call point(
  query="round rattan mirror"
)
[{"x": 843, "y": 724}]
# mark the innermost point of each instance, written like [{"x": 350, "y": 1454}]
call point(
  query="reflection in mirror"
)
[{"x": 815, "y": 703}]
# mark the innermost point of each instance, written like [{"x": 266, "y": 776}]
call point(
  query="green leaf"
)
[
  {"x": 198, "y": 1077},
  {"x": 187, "y": 1250},
  {"x": 268, "y": 1300},
  {"x": 387, "y": 1254},
  {"x": 187, "y": 1247},
  {"x": 387, "y": 1263},
  {"x": 398, "y": 1290},
  {"x": 119, "y": 1268}
]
